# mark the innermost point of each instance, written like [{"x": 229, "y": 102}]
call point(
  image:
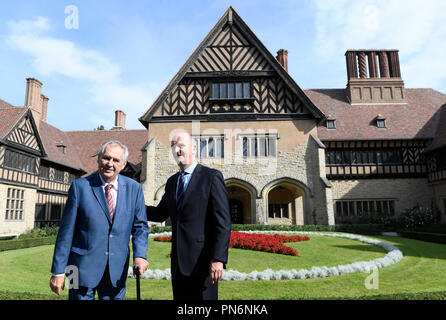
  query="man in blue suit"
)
[{"x": 101, "y": 213}]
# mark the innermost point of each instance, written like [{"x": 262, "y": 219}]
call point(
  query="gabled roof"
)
[
  {"x": 9, "y": 117},
  {"x": 54, "y": 140},
  {"x": 88, "y": 144},
  {"x": 416, "y": 119},
  {"x": 5, "y": 104},
  {"x": 231, "y": 17},
  {"x": 18, "y": 129}
]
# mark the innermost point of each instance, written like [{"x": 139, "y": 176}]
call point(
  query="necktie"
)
[
  {"x": 109, "y": 197},
  {"x": 180, "y": 191}
]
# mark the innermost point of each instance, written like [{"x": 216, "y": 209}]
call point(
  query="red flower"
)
[{"x": 258, "y": 242}]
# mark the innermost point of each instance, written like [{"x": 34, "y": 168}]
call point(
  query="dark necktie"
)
[{"x": 180, "y": 191}]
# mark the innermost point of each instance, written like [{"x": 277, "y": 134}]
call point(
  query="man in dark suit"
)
[
  {"x": 102, "y": 211},
  {"x": 196, "y": 200}
]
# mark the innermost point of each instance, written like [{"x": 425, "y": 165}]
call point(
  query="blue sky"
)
[{"x": 124, "y": 53}]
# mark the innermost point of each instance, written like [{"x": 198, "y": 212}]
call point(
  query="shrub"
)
[
  {"x": 418, "y": 216},
  {"x": 26, "y": 243},
  {"x": 40, "y": 233}
]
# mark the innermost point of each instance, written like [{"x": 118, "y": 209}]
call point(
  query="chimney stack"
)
[
  {"x": 44, "y": 104},
  {"x": 119, "y": 120},
  {"x": 282, "y": 57},
  {"x": 33, "y": 98},
  {"x": 374, "y": 77}
]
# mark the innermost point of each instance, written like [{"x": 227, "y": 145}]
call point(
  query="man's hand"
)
[
  {"x": 57, "y": 283},
  {"x": 142, "y": 265},
  {"x": 216, "y": 270}
]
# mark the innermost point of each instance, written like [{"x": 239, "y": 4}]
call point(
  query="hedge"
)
[
  {"x": 26, "y": 243},
  {"x": 424, "y": 236},
  {"x": 365, "y": 229},
  {"x": 439, "y": 295},
  {"x": 368, "y": 229}
]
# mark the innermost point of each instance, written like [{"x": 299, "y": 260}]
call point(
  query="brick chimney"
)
[
  {"x": 44, "y": 104},
  {"x": 282, "y": 57},
  {"x": 374, "y": 77},
  {"x": 119, "y": 120},
  {"x": 33, "y": 98}
]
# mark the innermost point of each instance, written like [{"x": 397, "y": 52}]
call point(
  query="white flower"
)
[{"x": 394, "y": 255}]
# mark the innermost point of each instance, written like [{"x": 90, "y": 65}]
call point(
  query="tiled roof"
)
[
  {"x": 53, "y": 137},
  {"x": 4, "y": 104},
  {"x": 88, "y": 144},
  {"x": 440, "y": 133},
  {"x": 416, "y": 119},
  {"x": 9, "y": 118}
]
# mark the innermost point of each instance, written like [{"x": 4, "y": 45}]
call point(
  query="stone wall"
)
[
  {"x": 18, "y": 226},
  {"x": 298, "y": 166},
  {"x": 406, "y": 192}
]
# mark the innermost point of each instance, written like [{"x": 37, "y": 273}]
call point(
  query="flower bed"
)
[
  {"x": 258, "y": 242},
  {"x": 263, "y": 242},
  {"x": 394, "y": 255}
]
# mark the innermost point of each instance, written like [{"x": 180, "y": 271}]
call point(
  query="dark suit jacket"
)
[
  {"x": 88, "y": 238},
  {"x": 201, "y": 227}
]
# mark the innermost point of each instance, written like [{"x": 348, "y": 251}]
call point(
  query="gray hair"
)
[{"x": 115, "y": 143}]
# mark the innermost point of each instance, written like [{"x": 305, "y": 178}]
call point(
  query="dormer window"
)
[
  {"x": 62, "y": 148},
  {"x": 380, "y": 121},
  {"x": 331, "y": 124}
]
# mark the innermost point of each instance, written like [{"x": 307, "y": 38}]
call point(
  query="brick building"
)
[
  {"x": 288, "y": 156},
  {"x": 296, "y": 156}
]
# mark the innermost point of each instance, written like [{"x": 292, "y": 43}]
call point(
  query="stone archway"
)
[
  {"x": 287, "y": 202},
  {"x": 242, "y": 197}
]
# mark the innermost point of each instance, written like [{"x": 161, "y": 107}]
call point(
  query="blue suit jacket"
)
[{"x": 88, "y": 238}]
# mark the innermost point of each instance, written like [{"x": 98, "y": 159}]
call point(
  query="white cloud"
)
[
  {"x": 416, "y": 28},
  {"x": 52, "y": 56}
]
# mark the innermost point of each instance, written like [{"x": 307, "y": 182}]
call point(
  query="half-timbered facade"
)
[
  {"x": 288, "y": 156},
  {"x": 295, "y": 156},
  {"x": 251, "y": 121},
  {"x": 38, "y": 161}
]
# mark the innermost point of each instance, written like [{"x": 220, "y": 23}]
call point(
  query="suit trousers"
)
[
  {"x": 105, "y": 290},
  {"x": 193, "y": 287}
]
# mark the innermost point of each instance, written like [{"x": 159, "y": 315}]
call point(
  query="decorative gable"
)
[
  {"x": 25, "y": 135},
  {"x": 230, "y": 50},
  {"x": 231, "y": 57}
]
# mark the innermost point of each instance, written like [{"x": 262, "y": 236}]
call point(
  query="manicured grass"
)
[{"x": 25, "y": 273}]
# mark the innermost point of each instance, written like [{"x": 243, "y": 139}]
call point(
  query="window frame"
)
[
  {"x": 381, "y": 123},
  {"x": 227, "y": 84},
  {"x": 361, "y": 207},
  {"x": 15, "y": 205},
  {"x": 331, "y": 124},
  {"x": 19, "y": 161},
  {"x": 217, "y": 141},
  {"x": 253, "y": 144}
]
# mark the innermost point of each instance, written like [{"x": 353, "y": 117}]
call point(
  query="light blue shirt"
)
[{"x": 187, "y": 177}]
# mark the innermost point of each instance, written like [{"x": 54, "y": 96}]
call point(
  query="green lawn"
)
[{"x": 25, "y": 273}]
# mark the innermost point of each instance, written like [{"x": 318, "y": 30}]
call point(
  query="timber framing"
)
[
  {"x": 229, "y": 51},
  {"x": 375, "y": 159}
]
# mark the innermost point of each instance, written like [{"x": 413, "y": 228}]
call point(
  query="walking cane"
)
[{"x": 138, "y": 288}]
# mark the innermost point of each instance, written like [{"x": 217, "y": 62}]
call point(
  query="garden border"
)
[{"x": 394, "y": 255}]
